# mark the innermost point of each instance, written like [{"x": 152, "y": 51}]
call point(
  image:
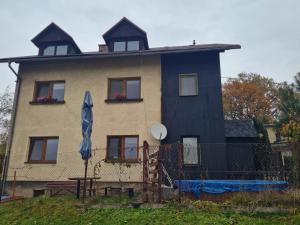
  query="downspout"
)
[{"x": 10, "y": 130}]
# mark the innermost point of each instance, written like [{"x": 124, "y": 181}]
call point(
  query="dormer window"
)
[
  {"x": 56, "y": 50},
  {"x": 62, "y": 50},
  {"x": 125, "y": 36},
  {"x": 50, "y": 50},
  {"x": 133, "y": 45},
  {"x": 122, "y": 46},
  {"x": 55, "y": 41}
]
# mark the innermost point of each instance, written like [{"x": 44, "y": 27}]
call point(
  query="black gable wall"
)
[{"x": 200, "y": 115}]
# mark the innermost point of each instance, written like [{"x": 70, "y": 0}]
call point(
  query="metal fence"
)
[
  {"x": 159, "y": 166},
  {"x": 221, "y": 161}
]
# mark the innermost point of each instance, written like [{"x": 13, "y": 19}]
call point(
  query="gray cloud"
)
[{"x": 268, "y": 30}]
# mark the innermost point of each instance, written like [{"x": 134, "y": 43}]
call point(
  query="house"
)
[
  {"x": 279, "y": 144},
  {"x": 133, "y": 86},
  {"x": 241, "y": 137}
]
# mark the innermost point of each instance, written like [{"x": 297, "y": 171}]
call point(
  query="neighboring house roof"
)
[
  {"x": 151, "y": 51},
  {"x": 240, "y": 128}
]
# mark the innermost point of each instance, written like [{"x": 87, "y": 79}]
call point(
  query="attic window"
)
[
  {"x": 119, "y": 46},
  {"x": 122, "y": 46},
  {"x": 56, "y": 50},
  {"x": 133, "y": 45},
  {"x": 50, "y": 50},
  {"x": 62, "y": 50}
]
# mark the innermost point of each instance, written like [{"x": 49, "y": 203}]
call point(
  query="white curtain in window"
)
[{"x": 190, "y": 150}]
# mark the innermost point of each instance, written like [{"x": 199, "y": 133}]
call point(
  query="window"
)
[
  {"x": 50, "y": 50},
  {"x": 190, "y": 150},
  {"x": 56, "y": 50},
  {"x": 119, "y": 46},
  {"x": 49, "y": 92},
  {"x": 62, "y": 50},
  {"x": 124, "y": 89},
  {"x": 188, "y": 84},
  {"x": 133, "y": 45},
  {"x": 43, "y": 149},
  {"x": 122, "y": 46},
  {"x": 122, "y": 148}
]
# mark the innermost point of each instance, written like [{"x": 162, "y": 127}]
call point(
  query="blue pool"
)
[{"x": 222, "y": 186}]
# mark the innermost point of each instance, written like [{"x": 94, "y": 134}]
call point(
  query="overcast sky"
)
[{"x": 267, "y": 30}]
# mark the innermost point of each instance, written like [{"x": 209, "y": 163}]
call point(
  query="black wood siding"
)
[{"x": 201, "y": 115}]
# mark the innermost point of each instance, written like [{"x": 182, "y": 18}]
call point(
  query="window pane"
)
[
  {"x": 119, "y": 46},
  {"x": 51, "y": 149},
  {"x": 133, "y": 89},
  {"x": 36, "y": 149},
  {"x": 131, "y": 146},
  {"x": 114, "y": 148},
  {"x": 62, "y": 50},
  {"x": 49, "y": 50},
  {"x": 116, "y": 89},
  {"x": 58, "y": 91},
  {"x": 42, "y": 91},
  {"x": 133, "y": 45},
  {"x": 188, "y": 85},
  {"x": 190, "y": 150}
]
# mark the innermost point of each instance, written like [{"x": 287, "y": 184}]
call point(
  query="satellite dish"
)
[{"x": 158, "y": 131}]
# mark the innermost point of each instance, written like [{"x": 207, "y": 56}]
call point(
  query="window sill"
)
[
  {"x": 40, "y": 162},
  {"x": 186, "y": 96},
  {"x": 47, "y": 103},
  {"x": 194, "y": 164},
  {"x": 122, "y": 161},
  {"x": 123, "y": 100}
]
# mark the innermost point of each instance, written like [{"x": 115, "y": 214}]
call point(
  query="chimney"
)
[{"x": 103, "y": 48}]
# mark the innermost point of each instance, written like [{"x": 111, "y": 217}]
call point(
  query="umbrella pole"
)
[{"x": 84, "y": 181}]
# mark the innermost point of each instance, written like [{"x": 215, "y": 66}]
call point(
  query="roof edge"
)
[{"x": 153, "y": 51}]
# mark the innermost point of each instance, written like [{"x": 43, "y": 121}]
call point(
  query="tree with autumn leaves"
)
[
  {"x": 250, "y": 96},
  {"x": 255, "y": 97},
  {"x": 289, "y": 106}
]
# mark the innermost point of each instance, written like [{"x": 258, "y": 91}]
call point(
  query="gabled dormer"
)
[
  {"x": 126, "y": 36},
  {"x": 55, "y": 41}
]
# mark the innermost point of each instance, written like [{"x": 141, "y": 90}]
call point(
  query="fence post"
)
[
  {"x": 159, "y": 174},
  {"x": 180, "y": 172},
  {"x": 145, "y": 171},
  {"x": 14, "y": 185}
]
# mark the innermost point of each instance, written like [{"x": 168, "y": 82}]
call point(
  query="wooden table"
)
[{"x": 79, "y": 179}]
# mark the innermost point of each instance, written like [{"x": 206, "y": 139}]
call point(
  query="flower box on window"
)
[{"x": 119, "y": 96}]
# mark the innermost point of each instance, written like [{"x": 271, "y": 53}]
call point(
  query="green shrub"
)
[{"x": 288, "y": 198}]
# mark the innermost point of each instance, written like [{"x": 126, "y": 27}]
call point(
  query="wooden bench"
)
[{"x": 55, "y": 187}]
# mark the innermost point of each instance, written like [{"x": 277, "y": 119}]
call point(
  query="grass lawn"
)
[{"x": 64, "y": 211}]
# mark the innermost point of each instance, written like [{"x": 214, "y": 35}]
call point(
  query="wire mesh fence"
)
[
  {"x": 232, "y": 161},
  {"x": 159, "y": 166}
]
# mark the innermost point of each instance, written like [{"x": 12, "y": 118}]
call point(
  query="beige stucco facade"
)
[{"x": 63, "y": 120}]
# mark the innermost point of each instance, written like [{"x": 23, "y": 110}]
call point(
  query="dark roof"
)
[
  {"x": 151, "y": 51},
  {"x": 53, "y": 33},
  {"x": 123, "y": 20},
  {"x": 240, "y": 128},
  {"x": 124, "y": 29}
]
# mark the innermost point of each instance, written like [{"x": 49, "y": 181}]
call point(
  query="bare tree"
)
[{"x": 6, "y": 102}]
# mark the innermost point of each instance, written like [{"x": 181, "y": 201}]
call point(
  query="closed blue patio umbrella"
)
[{"x": 86, "y": 125}]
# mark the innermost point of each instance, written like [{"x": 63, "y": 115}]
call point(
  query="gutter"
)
[{"x": 10, "y": 130}]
